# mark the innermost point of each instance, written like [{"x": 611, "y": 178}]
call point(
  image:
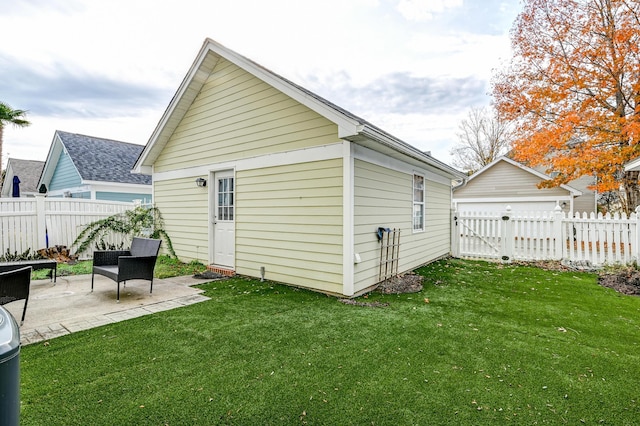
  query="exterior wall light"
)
[{"x": 201, "y": 182}]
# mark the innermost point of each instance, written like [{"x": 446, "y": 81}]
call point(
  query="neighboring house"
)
[
  {"x": 27, "y": 171},
  {"x": 505, "y": 182},
  {"x": 588, "y": 201},
  {"x": 633, "y": 165},
  {"x": 296, "y": 186},
  {"x": 80, "y": 166}
]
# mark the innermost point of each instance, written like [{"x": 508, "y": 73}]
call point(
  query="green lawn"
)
[
  {"x": 481, "y": 344},
  {"x": 166, "y": 266}
]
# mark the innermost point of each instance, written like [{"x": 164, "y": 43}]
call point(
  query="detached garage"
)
[
  {"x": 505, "y": 182},
  {"x": 258, "y": 176}
]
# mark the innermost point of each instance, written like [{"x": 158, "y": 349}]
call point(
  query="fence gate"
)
[
  {"x": 477, "y": 235},
  {"x": 596, "y": 239}
]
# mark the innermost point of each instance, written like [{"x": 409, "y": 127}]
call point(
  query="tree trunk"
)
[{"x": 632, "y": 190}]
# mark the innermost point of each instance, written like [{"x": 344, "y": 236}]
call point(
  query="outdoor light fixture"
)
[{"x": 201, "y": 182}]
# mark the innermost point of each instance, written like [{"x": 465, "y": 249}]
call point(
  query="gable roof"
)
[
  {"x": 95, "y": 159},
  {"x": 350, "y": 126},
  {"x": 28, "y": 171},
  {"x": 574, "y": 192}
]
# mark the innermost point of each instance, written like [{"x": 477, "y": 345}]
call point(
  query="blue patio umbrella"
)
[{"x": 16, "y": 187}]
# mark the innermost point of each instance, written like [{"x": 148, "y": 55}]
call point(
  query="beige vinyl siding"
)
[
  {"x": 184, "y": 208},
  {"x": 587, "y": 201},
  {"x": 435, "y": 242},
  {"x": 383, "y": 197},
  {"x": 506, "y": 180},
  {"x": 289, "y": 220},
  {"x": 236, "y": 115}
]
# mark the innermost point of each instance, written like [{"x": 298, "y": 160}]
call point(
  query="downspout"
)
[{"x": 462, "y": 184}]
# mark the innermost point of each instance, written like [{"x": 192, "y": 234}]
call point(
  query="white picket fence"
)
[
  {"x": 586, "y": 238},
  {"x": 41, "y": 222}
]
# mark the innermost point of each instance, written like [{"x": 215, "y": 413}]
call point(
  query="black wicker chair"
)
[
  {"x": 14, "y": 285},
  {"x": 123, "y": 265}
]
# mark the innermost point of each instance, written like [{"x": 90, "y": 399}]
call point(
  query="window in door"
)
[{"x": 225, "y": 198}]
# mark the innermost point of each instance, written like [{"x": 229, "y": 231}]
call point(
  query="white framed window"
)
[
  {"x": 418, "y": 203},
  {"x": 225, "y": 198}
]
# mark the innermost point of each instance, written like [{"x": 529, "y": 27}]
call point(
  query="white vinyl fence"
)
[
  {"x": 592, "y": 239},
  {"x": 40, "y": 222}
]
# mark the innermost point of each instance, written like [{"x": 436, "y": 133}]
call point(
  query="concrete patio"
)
[{"x": 68, "y": 306}]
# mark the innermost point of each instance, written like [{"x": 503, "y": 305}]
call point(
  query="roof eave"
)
[
  {"x": 111, "y": 183},
  {"x": 633, "y": 165},
  {"x": 409, "y": 150},
  {"x": 574, "y": 192},
  {"x": 143, "y": 169}
]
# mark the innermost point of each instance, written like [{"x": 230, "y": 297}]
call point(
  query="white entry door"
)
[{"x": 224, "y": 219}]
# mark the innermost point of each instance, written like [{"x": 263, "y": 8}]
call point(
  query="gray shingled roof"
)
[
  {"x": 28, "y": 171},
  {"x": 103, "y": 160}
]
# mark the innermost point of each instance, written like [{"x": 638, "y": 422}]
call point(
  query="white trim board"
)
[
  {"x": 374, "y": 157},
  {"x": 307, "y": 155},
  {"x": 512, "y": 199}
]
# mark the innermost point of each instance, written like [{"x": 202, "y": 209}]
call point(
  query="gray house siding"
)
[{"x": 587, "y": 201}]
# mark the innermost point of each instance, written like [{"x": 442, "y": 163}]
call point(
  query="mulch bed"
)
[
  {"x": 408, "y": 283},
  {"x": 627, "y": 282}
]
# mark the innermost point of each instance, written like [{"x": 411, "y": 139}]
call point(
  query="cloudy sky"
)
[{"x": 110, "y": 68}]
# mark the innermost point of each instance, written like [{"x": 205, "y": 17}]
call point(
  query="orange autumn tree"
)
[{"x": 572, "y": 91}]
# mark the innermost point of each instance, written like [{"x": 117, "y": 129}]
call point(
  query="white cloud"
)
[
  {"x": 109, "y": 68},
  {"x": 460, "y": 53},
  {"x": 423, "y": 10},
  {"x": 435, "y": 133}
]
